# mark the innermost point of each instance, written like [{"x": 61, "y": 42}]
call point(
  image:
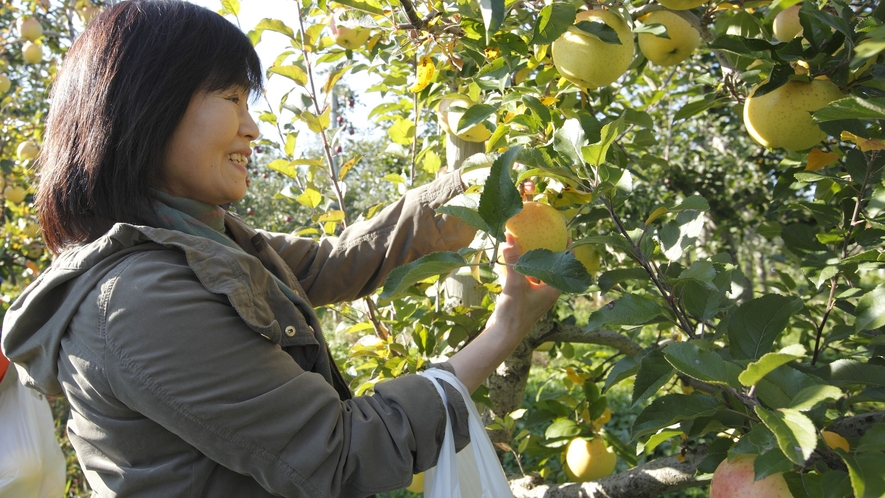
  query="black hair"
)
[{"x": 122, "y": 90}]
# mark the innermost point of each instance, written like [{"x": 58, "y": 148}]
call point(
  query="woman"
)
[{"x": 184, "y": 339}]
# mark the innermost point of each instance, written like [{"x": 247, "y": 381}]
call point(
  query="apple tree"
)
[{"x": 725, "y": 177}]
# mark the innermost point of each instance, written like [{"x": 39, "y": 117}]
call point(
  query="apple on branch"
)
[
  {"x": 681, "y": 39},
  {"x": 585, "y": 59},
  {"x": 737, "y": 479}
]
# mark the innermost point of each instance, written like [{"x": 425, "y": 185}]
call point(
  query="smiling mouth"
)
[{"x": 240, "y": 159}]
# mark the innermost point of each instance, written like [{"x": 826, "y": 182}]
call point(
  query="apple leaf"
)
[
  {"x": 699, "y": 105},
  {"x": 809, "y": 397},
  {"x": 873, "y": 439},
  {"x": 230, "y": 7},
  {"x": 654, "y": 371},
  {"x": 758, "y": 369},
  {"x": 294, "y": 73},
  {"x": 624, "y": 369},
  {"x": 629, "y": 309},
  {"x": 656, "y": 29},
  {"x": 701, "y": 364},
  {"x": 370, "y": 6},
  {"x": 476, "y": 114},
  {"x": 599, "y": 29},
  {"x": 569, "y": 139},
  {"x": 865, "y": 471},
  {"x": 681, "y": 233},
  {"x": 851, "y": 107},
  {"x": 756, "y": 324},
  {"x": 595, "y": 153},
  {"x": 492, "y": 16},
  {"x": 832, "y": 484},
  {"x": 795, "y": 432},
  {"x": 870, "y": 310},
  {"x": 611, "y": 278},
  {"x": 500, "y": 200},
  {"x": 671, "y": 409},
  {"x": 553, "y": 21},
  {"x": 849, "y": 372},
  {"x": 274, "y": 25},
  {"x": 465, "y": 207},
  {"x": 433, "y": 264},
  {"x": 560, "y": 270},
  {"x": 658, "y": 438}
]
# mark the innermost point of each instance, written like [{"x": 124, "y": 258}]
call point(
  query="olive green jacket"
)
[{"x": 190, "y": 373}]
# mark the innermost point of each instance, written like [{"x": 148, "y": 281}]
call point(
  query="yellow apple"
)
[
  {"x": 14, "y": 194},
  {"x": 27, "y": 150},
  {"x": 589, "y": 62},
  {"x": 545, "y": 346},
  {"x": 589, "y": 256},
  {"x": 834, "y": 441},
  {"x": 735, "y": 479},
  {"x": 782, "y": 118},
  {"x": 32, "y": 52},
  {"x": 88, "y": 12},
  {"x": 29, "y": 28},
  {"x": 349, "y": 38},
  {"x": 786, "y": 24},
  {"x": 588, "y": 460},
  {"x": 683, "y": 39},
  {"x": 451, "y": 110},
  {"x": 29, "y": 229},
  {"x": 5, "y": 84},
  {"x": 681, "y": 4},
  {"x": 538, "y": 226},
  {"x": 417, "y": 485}
]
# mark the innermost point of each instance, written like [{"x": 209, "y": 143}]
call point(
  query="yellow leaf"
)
[
  {"x": 492, "y": 53},
  {"x": 310, "y": 198},
  {"x": 423, "y": 74},
  {"x": 573, "y": 376},
  {"x": 864, "y": 144},
  {"x": 334, "y": 216},
  {"x": 657, "y": 213},
  {"x": 818, "y": 159},
  {"x": 347, "y": 167},
  {"x": 549, "y": 101}
]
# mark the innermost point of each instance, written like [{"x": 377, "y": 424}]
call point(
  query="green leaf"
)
[
  {"x": 624, "y": 369},
  {"x": 655, "y": 441},
  {"x": 629, "y": 309},
  {"x": 846, "y": 372},
  {"x": 700, "y": 105},
  {"x": 654, "y": 371},
  {"x": 756, "y": 324},
  {"x": 275, "y": 25},
  {"x": 702, "y": 364},
  {"x": 553, "y": 21},
  {"x": 873, "y": 439},
  {"x": 465, "y": 214},
  {"x": 870, "y": 311},
  {"x": 569, "y": 139},
  {"x": 595, "y": 153},
  {"x": 851, "y": 107},
  {"x": 597, "y": 28},
  {"x": 865, "y": 471},
  {"x": 402, "y": 131},
  {"x": 310, "y": 198},
  {"x": 758, "y": 369},
  {"x": 475, "y": 115},
  {"x": 400, "y": 279},
  {"x": 492, "y": 16},
  {"x": 809, "y": 397},
  {"x": 796, "y": 435},
  {"x": 500, "y": 200},
  {"x": 562, "y": 428},
  {"x": 283, "y": 166},
  {"x": 611, "y": 278},
  {"x": 370, "y": 6},
  {"x": 560, "y": 270},
  {"x": 671, "y": 409},
  {"x": 681, "y": 233}
]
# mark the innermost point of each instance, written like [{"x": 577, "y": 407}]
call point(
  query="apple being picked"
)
[
  {"x": 538, "y": 226},
  {"x": 736, "y": 479},
  {"x": 679, "y": 42},
  {"x": 589, "y": 62}
]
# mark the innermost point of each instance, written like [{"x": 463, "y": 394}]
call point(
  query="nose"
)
[{"x": 248, "y": 128}]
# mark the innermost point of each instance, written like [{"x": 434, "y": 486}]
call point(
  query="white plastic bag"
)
[
  {"x": 32, "y": 464},
  {"x": 475, "y": 472}
]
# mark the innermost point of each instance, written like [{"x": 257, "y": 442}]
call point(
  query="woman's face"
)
[{"x": 207, "y": 155}]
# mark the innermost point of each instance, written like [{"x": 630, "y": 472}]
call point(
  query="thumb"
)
[{"x": 510, "y": 249}]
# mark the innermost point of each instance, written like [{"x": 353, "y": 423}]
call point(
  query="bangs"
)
[{"x": 236, "y": 65}]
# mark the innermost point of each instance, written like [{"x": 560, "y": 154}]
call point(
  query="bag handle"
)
[{"x": 475, "y": 472}]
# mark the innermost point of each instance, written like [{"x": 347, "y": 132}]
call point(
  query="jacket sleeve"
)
[
  {"x": 356, "y": 263},
  {"x": 182, "y": 357}
]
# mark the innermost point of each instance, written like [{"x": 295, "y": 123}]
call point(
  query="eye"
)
[{"x": 234, "y": 98}]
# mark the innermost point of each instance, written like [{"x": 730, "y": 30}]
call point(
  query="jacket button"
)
[{"x": 290, "y": 331}]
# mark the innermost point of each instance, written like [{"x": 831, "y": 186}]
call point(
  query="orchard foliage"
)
[{"x": 751, "y": 278}]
